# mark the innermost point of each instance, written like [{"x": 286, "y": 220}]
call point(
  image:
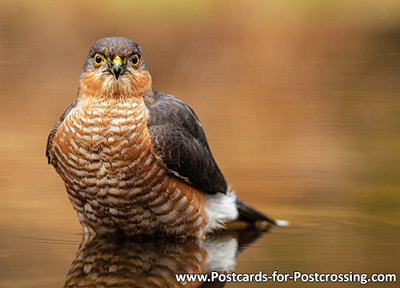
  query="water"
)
[
  {"x": 335, "y": 243},
  {"x": 302, "y": 115}
]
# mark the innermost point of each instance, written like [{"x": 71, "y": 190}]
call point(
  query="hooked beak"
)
[{"x": 117, "y": 69}]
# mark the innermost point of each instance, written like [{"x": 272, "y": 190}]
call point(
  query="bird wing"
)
[
  {"x": 49, "y": 151},
  {"x": 178, "y": 138}
]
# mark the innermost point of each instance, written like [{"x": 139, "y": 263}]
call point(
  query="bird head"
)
[{"x": 114, "y": 68}]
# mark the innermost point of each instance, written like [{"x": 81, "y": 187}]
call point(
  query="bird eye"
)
[
  {"x": 98, "y": 59},
  {"x": 134, "y": 60}
]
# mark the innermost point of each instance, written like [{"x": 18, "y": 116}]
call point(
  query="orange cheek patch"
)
[
  {"x": 141, "y": 81},
  {"x": 91, "y": 82}
]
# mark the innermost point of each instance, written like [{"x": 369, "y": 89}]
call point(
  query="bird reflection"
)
[{"x": 107, "y": 262}]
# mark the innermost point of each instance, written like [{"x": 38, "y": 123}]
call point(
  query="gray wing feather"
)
[{"x": 178, "y": 138}]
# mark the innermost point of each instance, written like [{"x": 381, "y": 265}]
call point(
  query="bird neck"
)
[{"x": 105, "y": 87}]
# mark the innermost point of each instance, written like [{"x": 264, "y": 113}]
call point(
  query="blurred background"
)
[{"x": 300, "y": 101}]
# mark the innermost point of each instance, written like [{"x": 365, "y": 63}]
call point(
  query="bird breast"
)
[
  {"x": 104, "y": 141},
  {"x": 113, "y": 178}
]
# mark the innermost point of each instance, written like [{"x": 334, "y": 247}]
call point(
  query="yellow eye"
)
[
  {"x": 134, "y": 60},
  {"x": 98, "y": 59}
]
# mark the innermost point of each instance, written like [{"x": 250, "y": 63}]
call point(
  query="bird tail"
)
[{"x": 249, "y": 214}]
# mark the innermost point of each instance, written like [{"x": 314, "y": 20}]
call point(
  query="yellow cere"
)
[{"x": 116, "y": 60}]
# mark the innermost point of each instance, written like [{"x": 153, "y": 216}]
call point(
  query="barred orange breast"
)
[{"x": 114, "y": 180}]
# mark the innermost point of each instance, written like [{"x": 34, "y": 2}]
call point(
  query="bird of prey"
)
[{"x": 136, "y": 161}]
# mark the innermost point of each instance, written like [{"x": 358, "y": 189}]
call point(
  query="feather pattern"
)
[{"x": 178, "y": 138}]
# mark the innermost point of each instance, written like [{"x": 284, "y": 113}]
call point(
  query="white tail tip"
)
[{"x": 282, "y": 223}]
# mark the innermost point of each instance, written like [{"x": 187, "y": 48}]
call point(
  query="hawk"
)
[{"x": 136, "y": 161}]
